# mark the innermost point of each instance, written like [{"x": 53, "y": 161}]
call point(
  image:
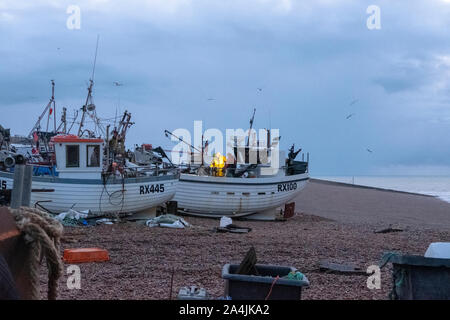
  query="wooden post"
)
[
  {"x": 26, "y": 189},
  {"x": 21, "y": 192},
  {"x": 16, "y": 195}
]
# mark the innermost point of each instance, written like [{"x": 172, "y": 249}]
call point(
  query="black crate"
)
[{"x": 249, "y": 287}]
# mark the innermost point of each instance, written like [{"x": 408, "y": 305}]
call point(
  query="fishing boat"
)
[
  {"x": 89, "y": 170},
  {"x": 240, "y": 192},
  {"x": 80, "y": 182},
  {"x": 228, "y": 187}
]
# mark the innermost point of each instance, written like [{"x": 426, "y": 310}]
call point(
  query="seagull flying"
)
[
  {"x": 117, "y": 84},
  {"x": 368, "y": 150},
  {"x": 349, "y": 116}
]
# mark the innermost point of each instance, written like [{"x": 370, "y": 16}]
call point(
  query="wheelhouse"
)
[{"x": 75, "y": 155}]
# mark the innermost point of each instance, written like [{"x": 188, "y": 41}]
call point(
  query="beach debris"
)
[
  {"x": 439, "y": 250},
  {"x": 80, "y": 255},
  {"x": 339, "y": 268},
  {"x": 192, "y": 293},
  {"x": 172, "y": 274},
  {"x": 388, "y": 230},
  {"x": 226, "y": 225},
  {"x": 247, "y": 266},
  {"x": 294, "y": 275},
  {"x": 106, "y": 221},
  {"x": 233, "y": 229},
  {"x": 73, "y": 217},
  {"x": 168, "y": 221},
  {"x": 225, "y": 221}
]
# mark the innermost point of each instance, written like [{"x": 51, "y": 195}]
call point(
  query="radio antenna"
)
[
  {"x": 95, "y": 58},
  {"x": 89, "y": 106}
]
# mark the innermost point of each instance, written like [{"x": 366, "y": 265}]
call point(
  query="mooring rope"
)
[{"x": 42, "y": 233}]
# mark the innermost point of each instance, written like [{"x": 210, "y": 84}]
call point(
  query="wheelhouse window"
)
[
  {"x": 72, "y": 156},
  {"x": 93, "y": 156}
]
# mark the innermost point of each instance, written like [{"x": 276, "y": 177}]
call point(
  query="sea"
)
[{"x": 438, "y": 186}]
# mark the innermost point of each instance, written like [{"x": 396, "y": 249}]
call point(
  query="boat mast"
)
[
  {"x": 37, "y": 126},
  {"x": 84, "y": 108},
  {"x": 89, "y": 107},
  {"x": 63, "y": 120},
  {"x": 251, "y": 126},
  {"x": 167, "y": 133}
]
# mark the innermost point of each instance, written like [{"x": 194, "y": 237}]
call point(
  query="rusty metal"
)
[
  {"x": 15, "y": 251},
  {"x": 289, "y": 210}
]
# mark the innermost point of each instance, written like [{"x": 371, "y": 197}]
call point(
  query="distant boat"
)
[{"x": 81, "y": 182}]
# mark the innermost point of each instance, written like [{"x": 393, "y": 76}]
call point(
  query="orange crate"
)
[{"x": 85, "y": 255}]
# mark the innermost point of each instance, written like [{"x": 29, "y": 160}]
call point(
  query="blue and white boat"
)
[{"x": 81, "y": 181}]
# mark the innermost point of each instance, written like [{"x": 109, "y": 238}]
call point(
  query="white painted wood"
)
[
  {"x": 95, "y": 196},
  {"x": 218, "y": 196},
  {"x": 83, "y": 171}
]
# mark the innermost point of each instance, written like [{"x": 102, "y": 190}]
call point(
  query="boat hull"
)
[
  {"x": 115, "y": 195},
  {"x": 219, "y": 196}
]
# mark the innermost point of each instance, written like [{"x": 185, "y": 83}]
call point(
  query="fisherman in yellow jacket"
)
[{"x": 218, "y": 164}]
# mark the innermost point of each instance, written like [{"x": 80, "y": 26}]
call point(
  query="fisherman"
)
[
  {"x": 218, "y": 164},
  {"x": 95, "y": 157}
]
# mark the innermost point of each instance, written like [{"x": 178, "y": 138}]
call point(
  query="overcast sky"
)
[{"x": 316, "y": 63}]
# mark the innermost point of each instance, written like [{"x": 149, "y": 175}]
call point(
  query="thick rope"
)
[{"x": 42, "y": 233}]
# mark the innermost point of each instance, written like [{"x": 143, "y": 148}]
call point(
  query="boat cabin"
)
[{"x": 78, "y": 157}]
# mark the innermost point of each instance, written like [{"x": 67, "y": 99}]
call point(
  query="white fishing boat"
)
[
  {"x": 212, "y": 196},
  {"x": 80, "y": 181},
  {"x": 215, "y": 196},
  {"x": 228, "y": 187}
]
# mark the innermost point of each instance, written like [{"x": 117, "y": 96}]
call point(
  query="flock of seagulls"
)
[
  {"x": 349, "y": 116},
  {"x": 353, "y": 102},
  {"x": 353, "y": 114}
]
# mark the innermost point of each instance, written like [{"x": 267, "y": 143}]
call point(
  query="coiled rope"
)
[{"x": 42, "y": 233}]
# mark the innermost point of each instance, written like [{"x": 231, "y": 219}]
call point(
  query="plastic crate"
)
[
  {"x": 249, "y": 287},
  {"x": 420, "y": 278},
  {"x": 85, "y": 255}
]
